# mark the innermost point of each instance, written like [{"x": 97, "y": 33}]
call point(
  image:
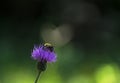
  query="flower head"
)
[{"x": 44, "y": 53}]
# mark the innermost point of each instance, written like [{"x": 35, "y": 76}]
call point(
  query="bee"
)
[{"x": 49, "y": 46}]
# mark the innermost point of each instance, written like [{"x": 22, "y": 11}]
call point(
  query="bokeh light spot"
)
[{"x": 107, "y": 74}]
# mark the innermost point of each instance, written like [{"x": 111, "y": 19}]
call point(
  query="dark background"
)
[{"x": 85, "y": 34}]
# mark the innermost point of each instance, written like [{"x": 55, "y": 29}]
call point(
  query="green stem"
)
[{"x": 38, "y": 76}]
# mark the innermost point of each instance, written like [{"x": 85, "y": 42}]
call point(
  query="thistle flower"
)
[{"x": 43, "y": 54}]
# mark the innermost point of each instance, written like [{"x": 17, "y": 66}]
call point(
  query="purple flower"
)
[{"x": 43, "y": 53}]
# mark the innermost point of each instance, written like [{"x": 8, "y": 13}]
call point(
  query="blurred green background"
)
[{"x": 85, "y": 34}]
